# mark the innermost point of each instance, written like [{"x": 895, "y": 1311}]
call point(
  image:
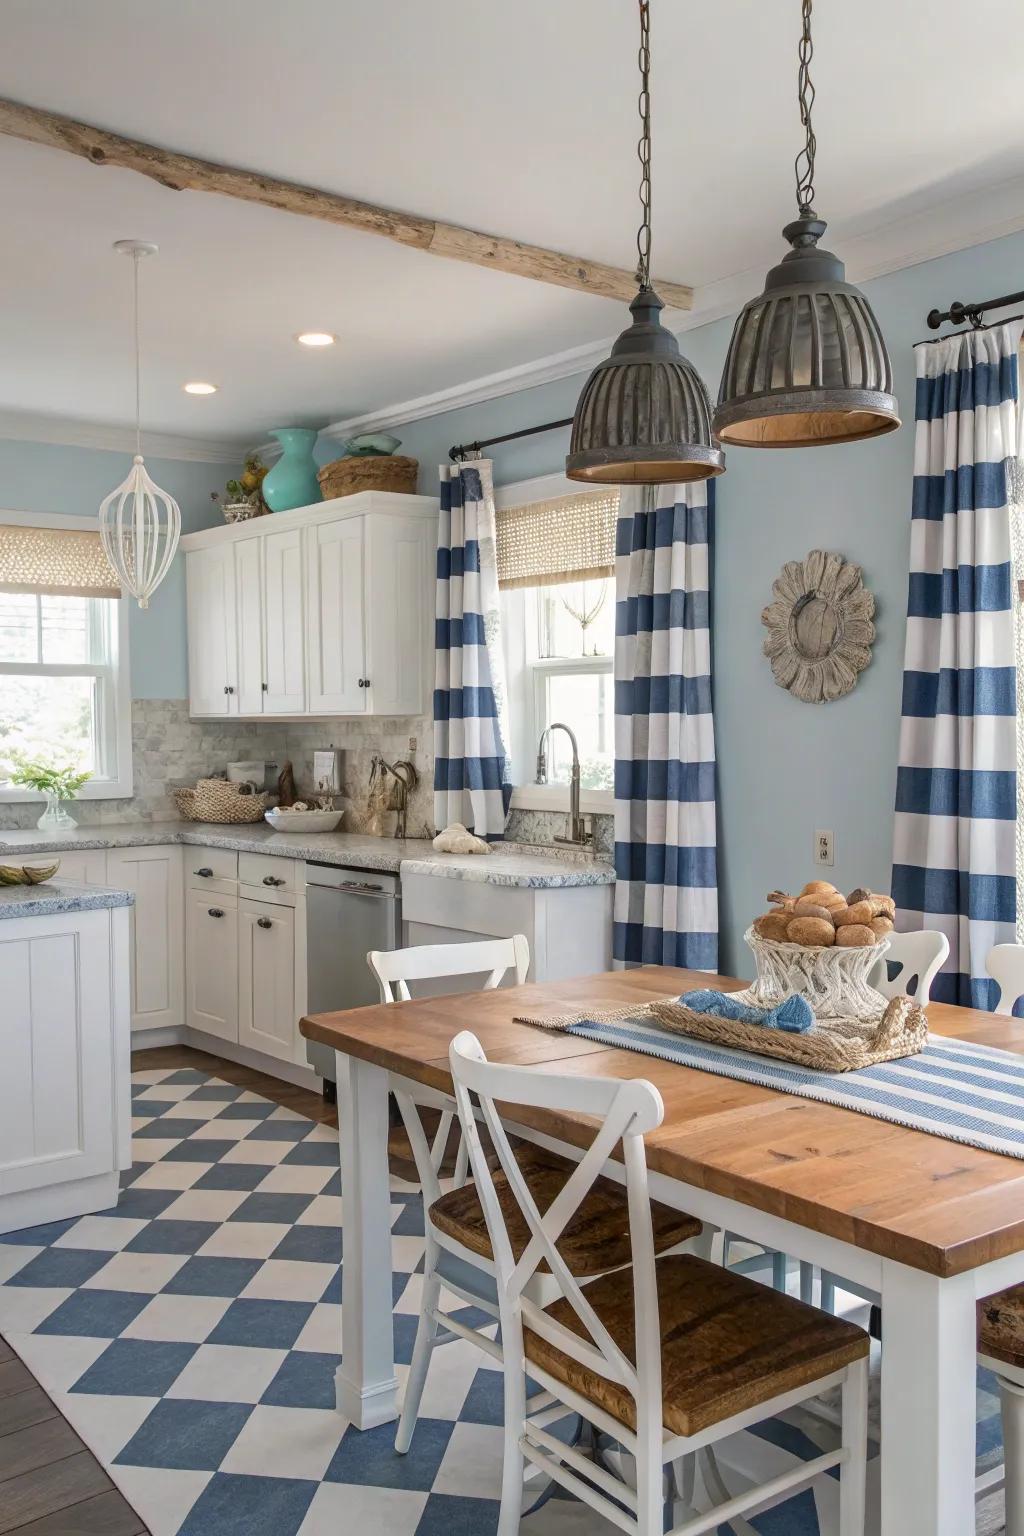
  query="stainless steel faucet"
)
[{"x": 578, "y": 833}]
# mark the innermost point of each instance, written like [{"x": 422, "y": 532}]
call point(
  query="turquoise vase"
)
[{"x": 292, "y": 482}]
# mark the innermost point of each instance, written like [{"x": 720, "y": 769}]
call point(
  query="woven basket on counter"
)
[
  {"x": 219, "y": 800},
  {"x": 372, "y": 472}
]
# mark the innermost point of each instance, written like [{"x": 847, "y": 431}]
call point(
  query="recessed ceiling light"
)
[
  {"x": 316, "y": 339},
  {"x": 199, "y": 388}
]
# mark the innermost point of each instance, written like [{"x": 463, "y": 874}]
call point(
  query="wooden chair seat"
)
[
  {"x": 597, "y": 1236},
  {"x": 1001, "y": 1326},
  {"x": 727, "y": 1343}
]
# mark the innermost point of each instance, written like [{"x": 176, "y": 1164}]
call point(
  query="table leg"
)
[
  {"x": 928, "y": 1403},
  {"x": 365, "y": 1382}
]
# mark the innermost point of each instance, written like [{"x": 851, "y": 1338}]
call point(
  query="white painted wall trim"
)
[{"x": 555, "y": 797}]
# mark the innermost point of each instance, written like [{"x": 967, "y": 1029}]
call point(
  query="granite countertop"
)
[
  {"x": 510, "y": 865},
  {"x": 54, "y": 896}
]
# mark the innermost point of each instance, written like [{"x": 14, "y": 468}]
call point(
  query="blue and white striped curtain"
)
[
  {"x": 472, "y": 778},
  {"x": 666, "y": 892},
  {"x": 954, "y": 855}
]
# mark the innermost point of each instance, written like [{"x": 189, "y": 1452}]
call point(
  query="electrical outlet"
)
[{"x": 823, "y": 852}]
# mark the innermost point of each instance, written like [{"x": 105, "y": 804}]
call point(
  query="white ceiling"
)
[{"x": 516, "y": 119}]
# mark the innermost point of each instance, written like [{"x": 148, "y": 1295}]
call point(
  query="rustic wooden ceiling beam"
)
[{"x": 186, "y": 173}]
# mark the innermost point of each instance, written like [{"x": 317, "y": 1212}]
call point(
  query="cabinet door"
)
[
  {"x": 399, "y": 618},
  {"x": 212, "y": 655},
  {"x": 267, "y": 1020},
  {"x": 157, "y": 919},
  {"x": 86, "y": 868},
  {"x": 284, "y": 669},
  {"x": 334, "y": 622},
  {"x": 211, "y": 964},
  {"x": 59, "y": 1053},
  {"x": 249, "y": 612}
]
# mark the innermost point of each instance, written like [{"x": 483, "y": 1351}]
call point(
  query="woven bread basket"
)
[
  {"x": 218, "y": 800},
  {"x": 371, "y": 472}
]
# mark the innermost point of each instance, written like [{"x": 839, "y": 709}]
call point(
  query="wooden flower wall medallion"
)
[{"x": 820, "y": 628}]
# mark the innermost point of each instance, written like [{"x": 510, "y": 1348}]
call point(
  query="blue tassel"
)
[{"x": 794, "y": 1015}]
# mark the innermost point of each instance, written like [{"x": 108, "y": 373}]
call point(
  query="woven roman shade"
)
[
  {"x": 571, "y": 538},
  {"x": 59, "y": 562}
]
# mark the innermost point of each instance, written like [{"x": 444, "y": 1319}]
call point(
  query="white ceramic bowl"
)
[{"x": 303, "y": 821}]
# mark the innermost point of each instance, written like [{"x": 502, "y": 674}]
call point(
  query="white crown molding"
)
[
  {"x": 957, "y": 224},
  {"x": 25, "y": 426}
]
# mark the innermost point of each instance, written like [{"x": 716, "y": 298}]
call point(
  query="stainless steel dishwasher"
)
[{"x": 348, "y": 913}]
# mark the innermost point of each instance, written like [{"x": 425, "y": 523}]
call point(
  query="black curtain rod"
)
[
  {"x": 958, "y": 312},
  {"x": 463, "y": 450}
]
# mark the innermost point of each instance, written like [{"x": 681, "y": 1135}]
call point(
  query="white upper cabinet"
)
[
  {"x": 284, "y": 667},
  {"x": 212, "y": 631},
  {"x": 327, "y": 610},
  {"x": 337, "y": 647}
]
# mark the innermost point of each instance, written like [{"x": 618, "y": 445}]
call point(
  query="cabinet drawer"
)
[
  {"x": 268, "y": 871},
  {"x": 213, "y": 869}
]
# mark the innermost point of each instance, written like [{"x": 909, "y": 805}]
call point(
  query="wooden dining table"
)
[{"x": 927, "y": 1223}]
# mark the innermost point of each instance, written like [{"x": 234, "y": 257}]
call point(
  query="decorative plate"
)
[{"x": 820, "y": 628}]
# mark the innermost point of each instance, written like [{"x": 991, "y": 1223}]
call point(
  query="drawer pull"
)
[
  {"x": 272, "y": 880},
  {"x": 216, "y": 911},
  {"x": 264, "y": 922},
  {"x": 206, "y": 872}
]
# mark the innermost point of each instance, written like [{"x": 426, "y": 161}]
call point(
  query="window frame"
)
[
  {"x": 115, "y": 729},
  {"x": 524, "y": 671}
]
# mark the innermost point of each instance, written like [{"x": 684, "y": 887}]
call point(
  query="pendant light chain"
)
[
  {"x": 804, "y": 165},
  {"x": 643, "y": 149}
]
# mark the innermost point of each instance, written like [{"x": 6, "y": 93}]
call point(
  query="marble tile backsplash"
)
[{"x": 171, "y": 751}]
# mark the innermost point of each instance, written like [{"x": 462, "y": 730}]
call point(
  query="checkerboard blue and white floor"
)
[{"x": 191, "y": 1337}]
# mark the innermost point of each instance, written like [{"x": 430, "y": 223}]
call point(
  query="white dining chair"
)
[
  {"x": 458, "y": 1257},
  {"x": 1005, "y": 964},
  {"x": 668, "y": 1355},
  {"x": 918, "y": 957},
  {"x": 394, "y": 969}
]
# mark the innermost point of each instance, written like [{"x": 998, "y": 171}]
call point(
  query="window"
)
[
  {"x": 64, "y": 692},
  {"x": 559, "y": 636}
]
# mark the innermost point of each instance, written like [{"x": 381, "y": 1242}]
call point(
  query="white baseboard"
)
[
  {"x": 287, "y": 1071},
  {"x": 148, "y": 1039},
  {"x": 58, "y": 1202}
]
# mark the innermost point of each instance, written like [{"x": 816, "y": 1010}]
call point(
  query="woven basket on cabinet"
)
[
  {"x": 374, "y": 472},
  {"x": 218, "y": 800}
]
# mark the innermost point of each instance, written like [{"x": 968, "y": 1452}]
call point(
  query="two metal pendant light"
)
[{"x": 807, "y": 362}]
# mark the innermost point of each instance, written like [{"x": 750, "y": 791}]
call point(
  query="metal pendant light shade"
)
[
  {"x": 807, "y": 363},
  {"x": 644, "y": 416}
]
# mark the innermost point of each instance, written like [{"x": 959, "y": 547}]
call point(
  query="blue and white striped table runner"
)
[{"x": 972, "y": 1094}]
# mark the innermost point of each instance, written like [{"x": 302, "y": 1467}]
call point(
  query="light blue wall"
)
[
  {"x": 44, "y": 477},
  {"x": 786, "y": 768}
]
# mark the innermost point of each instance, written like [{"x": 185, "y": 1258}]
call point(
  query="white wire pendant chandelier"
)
[{"x": 139, "y": 523}]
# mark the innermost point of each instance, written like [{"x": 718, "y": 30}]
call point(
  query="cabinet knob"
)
[
  {"x": 264, "y": 922},
  {"x": 272, "y": 880},
  {"x": 265, "y": 687},
  {"x": 228, "y": 688},
  {"x": 205, "y": 872},
  {"x": 216, "y": 912},
  {"x": 364, "y": 682}
]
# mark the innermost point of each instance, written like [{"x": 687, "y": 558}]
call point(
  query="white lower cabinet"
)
[
  {"x": 87, "y": 868},
  {"x": 211, "y": 963},
  {"x": 64, "y": 1046},
  {"x": 267, "y": 1020},
  {"x": 154, "y": 875}
]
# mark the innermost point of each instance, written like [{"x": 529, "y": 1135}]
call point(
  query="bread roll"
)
[
  {"x": 854, "y": 935},
  {"x": 887, "y": 905},
  {"x": 773, "y": 925},
  {"x": 881, "y": 927},
  {"x": 858, "y": 912},
  {"x": 860, "y": 894},
  {"x": 817, "y": 887},
  {"x": 807, "y": 906},
  {"x": 811, "y": 930}
]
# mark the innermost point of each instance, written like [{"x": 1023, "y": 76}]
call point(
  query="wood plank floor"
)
[{"x": 50, "y": 1484}]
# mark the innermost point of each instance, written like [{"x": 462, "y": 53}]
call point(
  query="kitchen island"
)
[{"x": 65, "y": 1107}]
